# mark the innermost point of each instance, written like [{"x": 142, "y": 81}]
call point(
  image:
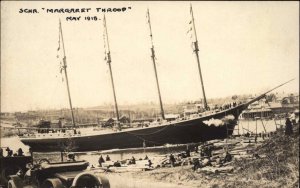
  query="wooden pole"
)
[
  {"x": 66, "y": 74},
  {"x": 238, "y": 123},
  {"x": 111, "y": 75},
  {"x": 196, "y": 50},
  {"x": 154, "y": 66},
  {"x": 256, "y": 126}
]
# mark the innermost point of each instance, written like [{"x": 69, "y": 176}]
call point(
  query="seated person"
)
[
  {"x": 117, "y": 164},
  {"x": 132, "y": 160},
  {"x": 150, "y": 163},
  {"x": 28, "y": 173},
  {"x": 71, "y": 157},
  {"x": 196, "y": 164},
  {"x": 228, "y": 157}
]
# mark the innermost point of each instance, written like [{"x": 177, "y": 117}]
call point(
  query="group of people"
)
[
  {"x": 228, "y": 106},
  {"x": 206, "y": 151},
  {"x": 131, "y": 161},
  {"x": 206, "y": 159},
  {"x": 10, "y": 152},
  {"x": 101, "y": 159}
]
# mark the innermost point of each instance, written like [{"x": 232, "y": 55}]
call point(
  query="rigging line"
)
[
  {"x": 263, "y": 125},
  {"x": 271, "y": 110},
  {"x": 264, "y": 121},
  {"x": 145, "y": 140},
  {"x": 248, "y": 130}
]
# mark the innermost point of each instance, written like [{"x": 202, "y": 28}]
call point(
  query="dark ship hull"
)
[{"x": 178, "y": 132}]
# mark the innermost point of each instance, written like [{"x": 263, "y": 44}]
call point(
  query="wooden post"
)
[
  {"x": 238, "y": 123},
  {"x": 62, "y": 156},
  {"x": 255, "y": 126}
]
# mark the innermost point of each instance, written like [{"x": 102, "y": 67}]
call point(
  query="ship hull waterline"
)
[{"x": 181, "y": 132}]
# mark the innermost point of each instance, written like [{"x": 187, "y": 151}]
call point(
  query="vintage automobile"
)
[
  {"x": 50, "y": 175},
  {"x": 11, "y": 165}
]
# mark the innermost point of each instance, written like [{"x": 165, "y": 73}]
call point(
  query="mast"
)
[
  {"x": 154, "y": 65},
  {"x": 196, "y": 50},
  {"x": 108, "y": 60},
  {"x": 66, "y": 74}
]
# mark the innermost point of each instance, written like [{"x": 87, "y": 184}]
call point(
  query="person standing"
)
[
  {"x": 288, "y": 127},
  {"x": 293, "y": 118},
  {"x": 20, "y": 152},
  {"x": 101, "y": 160},
  {"x": 9, "y": 152},
  {"x": 1, "y": 152},
  {"x": 172, "y": 160}
]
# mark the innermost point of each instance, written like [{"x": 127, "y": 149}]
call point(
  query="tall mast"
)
[
  {"x": 108, "y": 60},
  {"x": 154, "y": 65},
  {"x": 66, "y": 74},
  {"x": 196, "y": 50}
]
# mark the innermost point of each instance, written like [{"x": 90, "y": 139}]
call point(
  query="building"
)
[
  {"x": 272, "y": 106},
  {"x": 171, "y": 117},
  {"x": 56, "y": 124}
]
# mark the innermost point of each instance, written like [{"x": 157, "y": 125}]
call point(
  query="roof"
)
[
  {"x": 109, "y": 119},
  {"x": 56, "y": 121},
  {"x": 258, "y": 110},
  {"x": 275, "y": 105}
]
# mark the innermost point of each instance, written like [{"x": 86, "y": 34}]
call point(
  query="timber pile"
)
[{"x": 239, "y": 148}]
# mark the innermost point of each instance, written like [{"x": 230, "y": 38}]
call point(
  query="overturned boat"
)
[{"x": 191, "y": 129}]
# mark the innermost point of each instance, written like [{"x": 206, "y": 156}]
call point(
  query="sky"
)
[{"x": 245, "y": 48}]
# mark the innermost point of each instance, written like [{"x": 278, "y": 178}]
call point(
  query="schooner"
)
[{"x": 180, "y": 131}]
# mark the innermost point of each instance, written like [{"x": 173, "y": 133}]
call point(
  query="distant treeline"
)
[{"x": 98, "y": 114}]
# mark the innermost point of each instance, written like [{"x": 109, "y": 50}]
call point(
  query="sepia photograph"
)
[{"x": 130, "y": 94}]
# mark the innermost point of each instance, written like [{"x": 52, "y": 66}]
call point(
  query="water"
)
[
  {"x": 254, "y": 126},
  {"x": 92, "y": 157},
  {"x": 258, "y": 126}
]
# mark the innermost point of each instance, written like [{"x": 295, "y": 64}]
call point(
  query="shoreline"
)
[{"x": 276, "y": 165}]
